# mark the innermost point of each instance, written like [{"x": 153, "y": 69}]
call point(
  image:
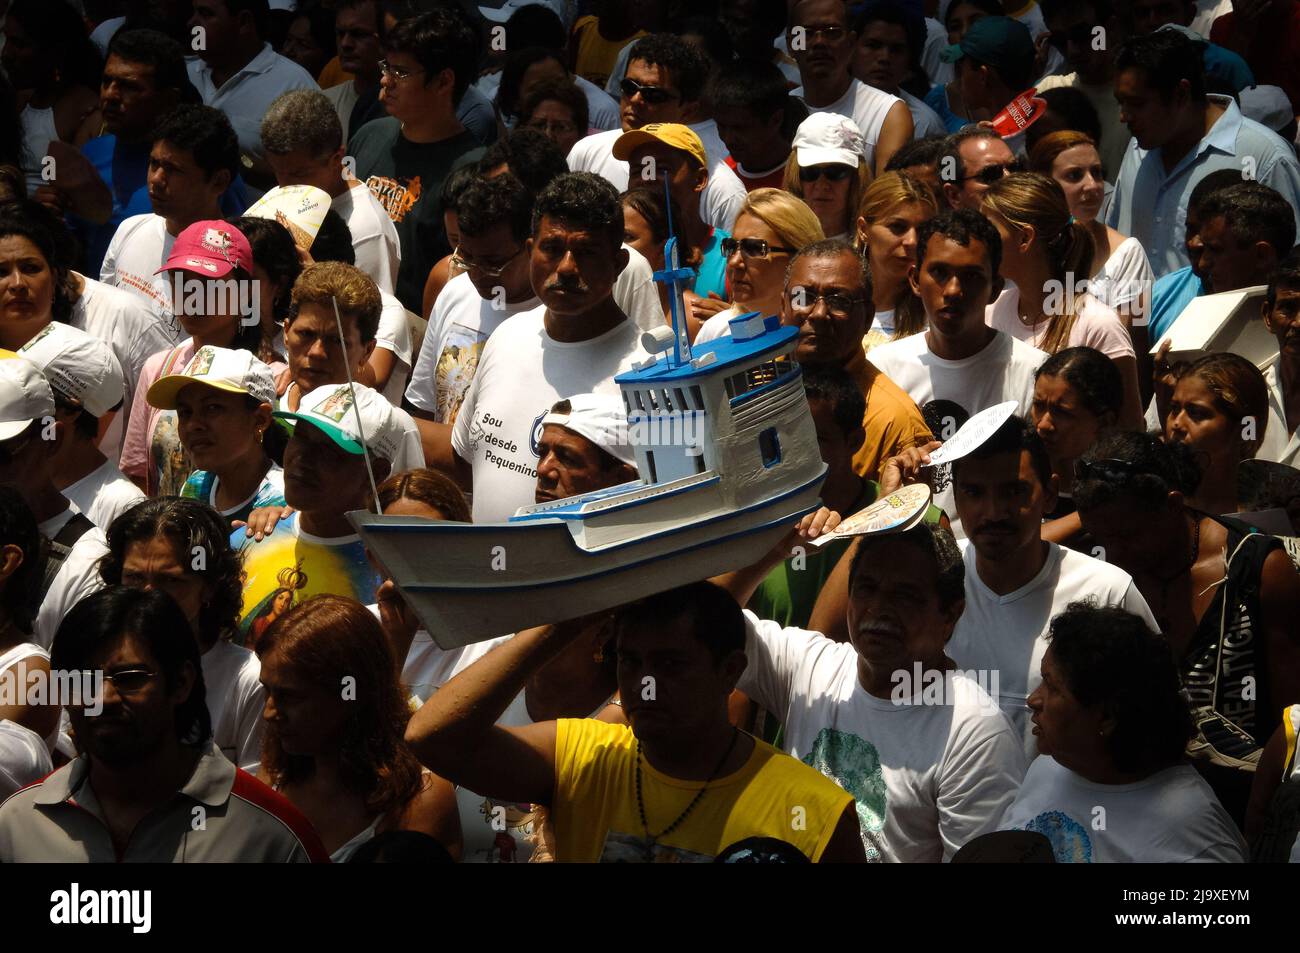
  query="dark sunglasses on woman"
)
[{"x": 836, "y": 173}]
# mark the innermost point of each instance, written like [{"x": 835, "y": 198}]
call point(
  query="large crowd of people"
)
[{"x": 1088, "y": 638}]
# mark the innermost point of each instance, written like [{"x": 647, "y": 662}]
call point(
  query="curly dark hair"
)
[
  {"x": 1155, "y": 468},
  {"x": 192, "y": 527},
  {"x": 1110, "y": 658},
  {"x": 962, "y": 226},
  {"x": 688, "y": 68},
  {"x": 583, "y": 199},
  {"x": 325, "y": 640}
]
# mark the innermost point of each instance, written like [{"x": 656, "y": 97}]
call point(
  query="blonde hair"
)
[
  {"x": 857, "y": 184},
  {"x": 885, "y": 194},
  {"x": 1033, "y": 200},
  {"x": 327, "y": 281},
  {"x": 790, "y": 217}
]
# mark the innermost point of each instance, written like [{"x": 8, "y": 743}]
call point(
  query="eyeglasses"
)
[
  {"x": 751, "y": 248},
  {"x": 131, "y": 680},
  {"x": 836, "y": 172},
  {"x": 397, "y": 72},
  {"x": 992, "y": 173},
  {"x": 804, "y": 301},
  {"x": 654, "y": 95},
  {"x": 460, "y": 261},
  {"x": 559, "y": 127}
]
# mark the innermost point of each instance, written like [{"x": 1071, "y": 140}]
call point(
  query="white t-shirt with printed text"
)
[{"x": 521, "y": 373}]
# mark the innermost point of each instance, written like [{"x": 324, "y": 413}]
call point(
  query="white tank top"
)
[
  {"x": 38, "y": 129},
  {"x": 15, "y": 655}
]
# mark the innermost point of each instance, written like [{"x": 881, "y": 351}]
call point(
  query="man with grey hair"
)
[
  {"x": 971, "y": 161},
  {"x": 929, "y": 757},
  {"x": 303, "y": 139}
]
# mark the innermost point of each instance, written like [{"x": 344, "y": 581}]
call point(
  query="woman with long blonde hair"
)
[
  {"x": 892, "y": 209},
  {"x": 771, "y": 226},
  {"x": 1047, "y": 258}
]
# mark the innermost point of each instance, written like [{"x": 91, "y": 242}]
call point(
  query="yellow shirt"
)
[
  {"x": 892, "y": 420},
  {"x": 595, "y": 56},
  {"x": 595, "y": 806}
]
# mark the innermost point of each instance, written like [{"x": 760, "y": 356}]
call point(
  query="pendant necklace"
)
[{"x": 652, "y": 839}]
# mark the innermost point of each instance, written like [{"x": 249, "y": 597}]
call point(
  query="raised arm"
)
[{"x": 455, "y": 732}]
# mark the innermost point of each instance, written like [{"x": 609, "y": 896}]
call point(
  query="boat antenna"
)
[
  {"x": 356, "y": 408},
  {"x": 674, "y": 276}
]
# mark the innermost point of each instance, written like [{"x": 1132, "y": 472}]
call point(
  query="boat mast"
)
[{"x": 675, "y": 277}]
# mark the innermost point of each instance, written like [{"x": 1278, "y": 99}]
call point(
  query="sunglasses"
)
[
  {"x": 835, "y": 173},
  {"x": 129, "y": 681},
  {"x": 751, "y": 248},
  {"x": 654, "y": 95},
  {"x": 992, "y": 173}
]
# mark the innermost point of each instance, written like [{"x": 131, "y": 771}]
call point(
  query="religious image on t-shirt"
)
[
  {"x": 397, "y": 196},
  {"x": 944, "y": 418},
  {"x": 1069, "y": 839},
  {"x": 291, "y": 579},
  {"x": 455, "y": 370},
  {"x": 170, "y": 460},
  {"x": 854, "y": 764}
]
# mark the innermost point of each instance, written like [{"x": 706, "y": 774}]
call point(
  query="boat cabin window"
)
[
  {"x": 760, "y": 375},
  {"x": 769, "y": 446}
]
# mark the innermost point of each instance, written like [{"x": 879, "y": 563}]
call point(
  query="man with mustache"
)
[
  {"x": 1016, "y": 582},
  {"x": 960, "y": 364},
  {"x": 574, "y": 343},
  {"x": 931, "y": 760}
]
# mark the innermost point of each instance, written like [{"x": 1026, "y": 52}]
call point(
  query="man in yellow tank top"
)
[{"x": 680, "y": 785}]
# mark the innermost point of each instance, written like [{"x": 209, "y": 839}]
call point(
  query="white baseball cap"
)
[
  {"x": 1267, "y": 105},
  {"x": 600, "y": 418},
  {"x": 77, "y": 365},
  {"x": 829, "y": 138},
  {"x": 390, "y": 433},
  {"x": 236, "y": 371},
  {"x": 25, "y": 396},
  {"x": 505, "y": 11}
]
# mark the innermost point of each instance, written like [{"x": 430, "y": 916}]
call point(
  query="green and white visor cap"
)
[{"x": 390, "y": 433}]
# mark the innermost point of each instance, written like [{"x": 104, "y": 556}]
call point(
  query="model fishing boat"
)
[{"x": 727, "y": 459}]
